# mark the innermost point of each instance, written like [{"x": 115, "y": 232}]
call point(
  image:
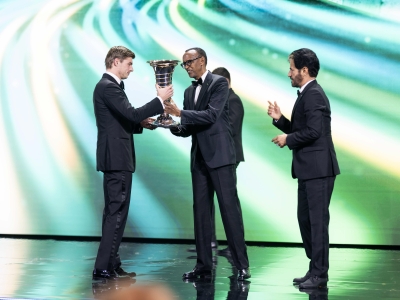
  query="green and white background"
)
[{"x": 51, "y": 57}]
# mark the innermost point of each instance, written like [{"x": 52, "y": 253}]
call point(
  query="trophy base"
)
[{"x": 165, "y": 121}]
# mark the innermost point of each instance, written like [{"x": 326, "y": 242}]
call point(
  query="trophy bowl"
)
[{"x": 163, "y": 70}]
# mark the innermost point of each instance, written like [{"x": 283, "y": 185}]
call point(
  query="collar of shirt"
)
[
  {"x": 304, "y": 86},
  {"x": 198, "y": 88},
  {"x": 114, "y": 76},
  {"x": 203, "y": 77}
]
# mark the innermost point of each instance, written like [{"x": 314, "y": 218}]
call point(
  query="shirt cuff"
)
[{"x": 162, "y": 102}]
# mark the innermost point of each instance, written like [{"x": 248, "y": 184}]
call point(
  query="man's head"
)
[
  {"x": 224, "y": 73},
  {"x": 304, "y": 66},
  {"x": 119, "y": 61},
  {"x": 194, "y": 62}
]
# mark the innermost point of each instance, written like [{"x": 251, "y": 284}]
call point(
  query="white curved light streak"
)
[
  {"x": 81, "y": 122},
  {"x": 54, "y": 128},
  {"x": 14, "y": 216},
  {"x": 67, "y": 163}
]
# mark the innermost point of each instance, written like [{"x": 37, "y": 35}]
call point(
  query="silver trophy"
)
[{"x": 163, "y": 70}]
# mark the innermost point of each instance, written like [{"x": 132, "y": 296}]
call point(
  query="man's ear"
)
[{"x": 304, "y": 70}]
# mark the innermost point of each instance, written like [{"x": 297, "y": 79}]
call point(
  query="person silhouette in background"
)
[{"x": 236, "y": 116}]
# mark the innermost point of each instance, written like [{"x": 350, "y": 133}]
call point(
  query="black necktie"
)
[
  {"x": 121, "y": 84},
  {"x": 198, "y": 82},
  {"x": 298, "y": 93}
]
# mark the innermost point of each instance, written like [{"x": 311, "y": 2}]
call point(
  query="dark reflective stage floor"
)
[{"x": 49, "y": 269}]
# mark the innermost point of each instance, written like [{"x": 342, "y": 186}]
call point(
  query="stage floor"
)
[{"x": 50, "y": 269}]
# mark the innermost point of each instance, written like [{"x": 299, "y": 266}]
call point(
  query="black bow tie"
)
[
  {"x": 298, "y": 93},
  {"x": 198, "y": 82},
  {"x": 121, "y": 84}
]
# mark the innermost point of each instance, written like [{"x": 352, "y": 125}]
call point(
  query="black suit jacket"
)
[
  {"x": 116, "y": 122},
  {"x": 309, "y": 135},
  {"x": 236, "y": 115},
  {"x": 208, "y": 122}
]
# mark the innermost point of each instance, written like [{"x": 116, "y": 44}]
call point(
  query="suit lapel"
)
[
  {"x": 301, "y": 96},
  {"x": 191, "y": 92},
  {"x": 203, "y": 90},
  {"x": 109, "y": 77},
  {"x": 230, "y": 93},
  {"x": 105, "y": 75},
  {"x": 295, "y": 104}
]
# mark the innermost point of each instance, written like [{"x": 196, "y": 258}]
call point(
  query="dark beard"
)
[{"x": 296, "y": 80}]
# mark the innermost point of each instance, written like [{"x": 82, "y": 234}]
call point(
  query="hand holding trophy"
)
[{"x": 171, "y": 108}]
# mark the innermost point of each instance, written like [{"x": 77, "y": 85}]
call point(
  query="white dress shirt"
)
[{"x": 198, "y": 88}]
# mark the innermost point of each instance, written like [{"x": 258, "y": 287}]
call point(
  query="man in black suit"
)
[
  {"x": 116, "y": 122},
  {"x": 236, "y": 115},
  {"x": 308, "y": 135},
  {"x": 205, "y": 117}
]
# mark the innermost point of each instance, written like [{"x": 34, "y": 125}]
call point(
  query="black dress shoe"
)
[
  {"x": 314, "y": 282},
  {"x": 197, "y": 273},
  {"x": 243, "y": 274},
  {"x": 122, "y": 272},
  {"x": 299, "y": 280},
  {"x": 108, "y": 275},
  {"x": 103, "y": 274}
]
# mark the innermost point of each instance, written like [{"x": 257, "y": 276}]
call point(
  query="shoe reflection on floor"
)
[{"x": 205, "y": 287}]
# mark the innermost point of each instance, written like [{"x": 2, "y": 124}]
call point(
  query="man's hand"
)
[
  {"x": 274, "y": 111},
  {"x": 165, "y": 92},
  {"x": 171, "y": 108},
  {"x": 280, "y": 140},
  {"x": 148, "y": 123},
  {"x": 175, "y": 129}
]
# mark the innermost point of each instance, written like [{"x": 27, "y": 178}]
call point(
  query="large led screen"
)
[{"x": 52, "y": 55}]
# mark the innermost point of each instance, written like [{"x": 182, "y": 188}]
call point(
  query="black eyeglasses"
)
[{"x": 189, "y": 62}]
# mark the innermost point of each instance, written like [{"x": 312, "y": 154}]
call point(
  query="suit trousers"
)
[
  {"x": 222, "y": 180},
  {"x": 214, "y": 236},
  {"x": 314, "y": 196},
  {"x": 117, "y": 194}
]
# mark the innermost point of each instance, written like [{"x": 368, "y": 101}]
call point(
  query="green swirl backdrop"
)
[{"x": 51, "y": 57}]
